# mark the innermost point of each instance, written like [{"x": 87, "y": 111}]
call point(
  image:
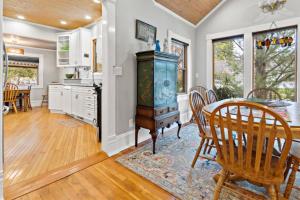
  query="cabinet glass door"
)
[{"x": 63, "y": 50}]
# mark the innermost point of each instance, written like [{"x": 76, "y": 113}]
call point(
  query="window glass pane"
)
[
  {"x": 23, "y": 75},
  {"x": 179, "y": 49},
  {"x": 228, "y": 67},
  {"x": 275, "y": 67}
]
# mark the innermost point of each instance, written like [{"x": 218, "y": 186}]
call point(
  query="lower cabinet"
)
[{"x": 76, "y": 101}]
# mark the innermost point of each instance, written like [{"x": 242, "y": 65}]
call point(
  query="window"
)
[
  {"x": 228, "y": 67},
  {"x": 23, "y": 70},
  {"x": 275, "y": 66},
  {"x": 180, "y": 49}
]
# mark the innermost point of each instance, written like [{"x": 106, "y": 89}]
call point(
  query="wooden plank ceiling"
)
[
  {"x": 51, "y": 12},
  {"x": 191, "y": 10}
]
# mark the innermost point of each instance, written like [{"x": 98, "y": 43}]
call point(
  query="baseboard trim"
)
[{"x": 19, "y": 189}]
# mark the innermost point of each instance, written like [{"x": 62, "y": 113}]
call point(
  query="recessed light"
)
[
  {"x": 63, "y": 22},
  {"x": 97, "y": 1},
  {"x": 88, "y": 17},
  {"x": 20, "y": 17}
]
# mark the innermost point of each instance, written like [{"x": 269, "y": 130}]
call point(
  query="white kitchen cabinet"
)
[
  {"x": 77, "y": 101},
  {"x": 67, "y": 100},
  {"x": 55, "y": 98},
  {"x": 79, "y": 49}
]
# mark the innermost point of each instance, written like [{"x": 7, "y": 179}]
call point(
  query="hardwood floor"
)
[
  {"x": 37, "y": 142},
  {"x": 106, "y": 180}
]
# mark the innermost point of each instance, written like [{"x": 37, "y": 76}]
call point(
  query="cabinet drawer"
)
[
  {"x": 160, "y": 111},
  {"x": 88, "y": 90},
  {"x": 173, "y": 108},
  {"x": 167, "y": 121},
  {"x": 89, "y": 114},
  {"x": 89, "y": 105}
]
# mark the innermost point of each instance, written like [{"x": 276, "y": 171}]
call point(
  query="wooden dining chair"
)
[
  {"x": 253, "y": 162},
  {"x": 211, "y": 96},
  {"x": 10, "y": 95},
  {"x": 202, "y": 90},
  {"x": 264, "y": 93},
  {"x": 197, "y": 103},
  {"x": 294, "y": 165}
]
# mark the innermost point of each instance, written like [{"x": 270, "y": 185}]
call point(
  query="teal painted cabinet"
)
[{"x": 157, "y": 106}]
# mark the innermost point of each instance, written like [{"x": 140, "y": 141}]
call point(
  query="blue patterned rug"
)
[{"x": 170, "y": 168}]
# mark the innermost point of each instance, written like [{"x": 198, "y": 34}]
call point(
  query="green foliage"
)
[{"x": 16, "y": 74}]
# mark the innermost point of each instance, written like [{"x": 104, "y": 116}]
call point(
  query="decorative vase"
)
[{"x": 157, "y": 46}]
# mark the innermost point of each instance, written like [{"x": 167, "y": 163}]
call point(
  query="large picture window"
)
[
  {"x": 23, "y": 70},
  {"x": 228, "y": 67},
  {"x": 180, "y": 49},
  {"x": 275, "y": 65}
]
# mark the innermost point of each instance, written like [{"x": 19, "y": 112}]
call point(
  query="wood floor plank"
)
[
  {"x": 36, "y": 142},
  {"x": 27, "y": 186}
]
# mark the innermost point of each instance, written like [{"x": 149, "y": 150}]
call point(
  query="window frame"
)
[
  {"x": 296, "y": 52},
  {"x": 40, "y": 76},
  {"x": 248, "y": 51},
  {"x": 172, "y": 35},
  {"x": 213, "y": 56},
  {"x": 185, "y": 64}
]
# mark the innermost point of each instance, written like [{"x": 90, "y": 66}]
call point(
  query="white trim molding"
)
[{"x": 247, "y": 33}]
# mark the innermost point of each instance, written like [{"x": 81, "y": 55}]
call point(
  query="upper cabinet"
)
[{"x": 74, "y": 48}]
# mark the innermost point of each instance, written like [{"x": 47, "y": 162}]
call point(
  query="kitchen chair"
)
[
  {"x": 253, "y": 162},
  {"x": 197, "y": 103},
  {"x": 10, "y": 95},
  {"x": 202, "y": 90},
  {"x": 295, "y": 161},
  {"x": 211, "y": 96},
  {"x": 264, "y": 93}
]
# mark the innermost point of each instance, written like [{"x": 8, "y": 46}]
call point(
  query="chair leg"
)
[
  {"x": 206, "y": 145},
  {"x": 15, "y": 107},
  {"x": 272, "y": 192},
  {"x": 198, "y": 152},
  {"x": 292, "y": 177},
  {"x": 288, "y": 167},
  {"x": 222, "y": 179},
  {"x": 210, "y": 146}
]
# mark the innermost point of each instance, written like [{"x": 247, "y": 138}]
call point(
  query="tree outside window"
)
[
  {"x": 275, "y": 67},
  {"x": 228, "y": 71}
]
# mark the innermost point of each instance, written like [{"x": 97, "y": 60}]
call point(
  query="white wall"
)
[
  {"x": 234, "y": 14},
  {"x": 20, "y": 28},
  {"x": 127, "y": 12}
]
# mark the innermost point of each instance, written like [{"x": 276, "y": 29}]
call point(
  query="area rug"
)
[{"x": 170, "y": 168}]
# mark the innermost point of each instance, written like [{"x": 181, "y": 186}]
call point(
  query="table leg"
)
[
  {"x": 179, "y": 127},
  {"x": 25, "y": 102}
]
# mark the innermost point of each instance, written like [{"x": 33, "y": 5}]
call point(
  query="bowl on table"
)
[{"x": 69, "y": 76}]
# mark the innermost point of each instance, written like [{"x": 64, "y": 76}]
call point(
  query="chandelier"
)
[{"x": 270, "y": 6}]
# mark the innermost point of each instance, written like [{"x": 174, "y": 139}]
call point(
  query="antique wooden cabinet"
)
[{"x": 157, "y": 106}]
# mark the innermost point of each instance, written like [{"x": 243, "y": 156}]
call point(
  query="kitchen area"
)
[{"x": 54, "y": 71}]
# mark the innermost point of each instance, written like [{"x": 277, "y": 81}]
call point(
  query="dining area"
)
[
  {"x": 254, "y": 139},
  {"x": 17, "y": 97}
]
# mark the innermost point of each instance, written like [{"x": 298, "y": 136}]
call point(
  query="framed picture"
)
[{"x": 145, "y": 31}]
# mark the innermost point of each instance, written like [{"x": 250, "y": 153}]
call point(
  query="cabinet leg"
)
[
  {"x": 154, "y": 137},
  {"x": 179, "y": 127},
  {"x": 136, "y": 135},
  {"x": 162, "y": 130}
]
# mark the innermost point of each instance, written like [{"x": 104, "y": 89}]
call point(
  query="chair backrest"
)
[
  {"x": 202, "y": 90},
  {"x": 261, "y": 126},
  {"x": 10, "y": 93},
  {"x": 197, "y": 103},
  {"x": 211, "y": 96},
  {"x": 264, "y": 93}
]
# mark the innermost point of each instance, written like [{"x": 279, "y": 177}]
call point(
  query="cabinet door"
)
[
  {"x": 63, "y": 50},
  {"x": 160, "y": 83},
  {"x": 172, "y": 83},
  {"x": 67, "y": 98},
  {"x": 75, "y": 103},
  {"x": 55, "y": 98}
]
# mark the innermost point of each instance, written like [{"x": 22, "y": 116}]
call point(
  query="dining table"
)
[
  {"x": 292, "y": 112},
  {"x": 24, "y": 100}
]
